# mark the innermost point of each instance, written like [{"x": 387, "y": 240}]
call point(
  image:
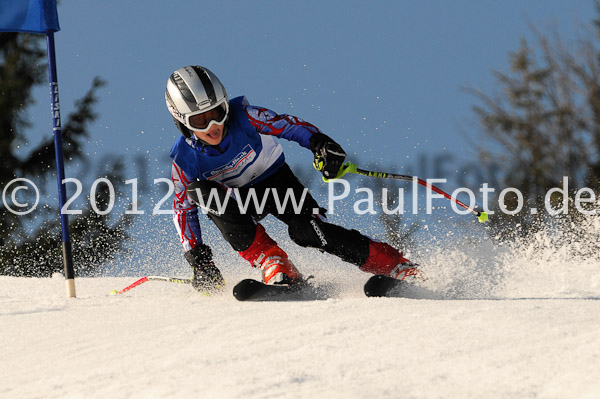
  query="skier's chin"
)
[
  {"x": 212, "y": 138},
  {"x": 215, "y": 140}
]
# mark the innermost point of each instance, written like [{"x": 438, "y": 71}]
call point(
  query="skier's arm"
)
[
  {"x": 283, "y": 126},
  {"x": 206, "y": 275},
  {"x": 185, "y": 215},
  {"x": 328, "y": 154}
]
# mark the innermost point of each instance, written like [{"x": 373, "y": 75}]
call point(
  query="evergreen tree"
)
[
  {"x": 31, "y": 243},
  {"x": 546, "y": 120}
]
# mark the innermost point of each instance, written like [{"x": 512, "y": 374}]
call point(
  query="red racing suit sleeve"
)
[
  {"x": 185, "y": 215},
  {"x": 283, "y": 126}
]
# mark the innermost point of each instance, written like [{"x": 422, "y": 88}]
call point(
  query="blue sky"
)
[{"x": 384, "y": 78}]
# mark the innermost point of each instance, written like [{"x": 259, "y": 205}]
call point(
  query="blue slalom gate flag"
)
[
  {"x": 41, "y": 16},
  {"x": 36, "y": 16}
]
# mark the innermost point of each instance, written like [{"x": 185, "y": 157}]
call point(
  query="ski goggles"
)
[{"x": 201, "y": 121}]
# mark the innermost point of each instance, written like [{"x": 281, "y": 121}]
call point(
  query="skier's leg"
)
[
  {"x": 309, "y": 230},
  {"x": 243, "y": 233},
  {"x": 237, "y": 228},
  {"x": 306, "y": 229},
  {"x": 351, "y": 246}
]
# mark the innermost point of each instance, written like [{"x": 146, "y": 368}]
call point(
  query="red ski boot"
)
[
  {"x": 265, "y": 254},
  {"x": 387, "y": 261}
]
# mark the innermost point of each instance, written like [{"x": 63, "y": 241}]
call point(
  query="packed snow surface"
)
[{"x": 163, "y": 340}]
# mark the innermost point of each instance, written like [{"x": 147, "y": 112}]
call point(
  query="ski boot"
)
[
  {"x": 276, "y": 267},
  {"x": 265, "y": 254},
  {"x": 387, "y": 261}
]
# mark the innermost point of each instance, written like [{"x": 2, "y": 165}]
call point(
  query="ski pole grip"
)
[{"x": 347, "y": 168}]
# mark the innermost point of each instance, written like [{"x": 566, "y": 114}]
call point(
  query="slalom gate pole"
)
[
  {"x": 352, "y": 168},
  {"x": 149, "y": 278},
  {"x": 60, "y": 166}
]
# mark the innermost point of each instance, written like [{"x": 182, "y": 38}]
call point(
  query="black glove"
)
[
  {"x": 206, "y": 275},
  {"x": 329, "y": 155}
]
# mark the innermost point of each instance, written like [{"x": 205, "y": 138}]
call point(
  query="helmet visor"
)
[{"x": 203, "y": 120}]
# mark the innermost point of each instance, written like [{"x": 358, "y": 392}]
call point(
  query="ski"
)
[
  {"x": 254, "y": 290},
  {"x": 381, "y": 285},
  {"x": 149, "y": 278}
]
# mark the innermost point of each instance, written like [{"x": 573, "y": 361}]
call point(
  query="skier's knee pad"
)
[{"x": 307, "y": 232}]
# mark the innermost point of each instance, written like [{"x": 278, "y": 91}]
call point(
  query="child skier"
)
[{"x": 231, "y": 144}]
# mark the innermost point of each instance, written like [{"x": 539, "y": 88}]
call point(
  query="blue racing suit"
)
[{"x": 248, "y": 154}]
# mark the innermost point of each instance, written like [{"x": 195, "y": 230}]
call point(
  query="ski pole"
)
[
  {"x": 148, "y": 278},
  {"x": 352, "y": 168}
]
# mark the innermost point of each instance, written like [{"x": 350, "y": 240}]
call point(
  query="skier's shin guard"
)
[
  {"x": 349, "y": 245},
  {"x": 237, "y": 228}
]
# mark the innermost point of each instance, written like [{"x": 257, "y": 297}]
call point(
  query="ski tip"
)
[
  {"x": 113, "y": 292},
  {"x": 245, "y": 289},
  {"x": 482, "y": 217},
  {"x": 378, "y": 285}
]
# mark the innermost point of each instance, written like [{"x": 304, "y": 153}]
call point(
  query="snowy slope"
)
[
  {"x": 518, "y": 320},
  {"x": 162, "y": 340}
]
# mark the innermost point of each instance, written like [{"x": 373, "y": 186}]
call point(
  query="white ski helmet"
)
[{"x": 193, "y": 91}]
